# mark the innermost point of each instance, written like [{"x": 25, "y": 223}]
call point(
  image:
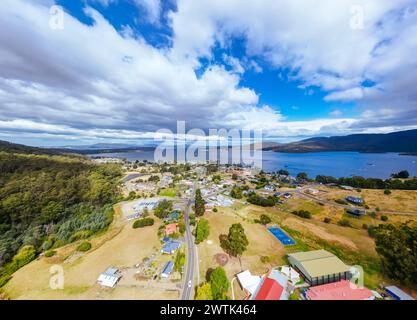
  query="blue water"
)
[
  {"x": 281, "y": 236},
  {"x": 336, "y": 164}
]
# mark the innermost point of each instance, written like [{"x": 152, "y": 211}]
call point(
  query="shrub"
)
[
  {"x": 327, "y": 220},
  {"x": 50, "y": 253},
  {"x": 365, "y": 226},
  {"x": 345, "y": 223},
  {"x": 84, "y": 247},
  {"x": 387, "y": 192},
  {"x": 141, "y": 223},
  {"x": 302, "y": 214},
  {"x": 25, "y": 255},
  {"x": 202, "y": 231},
  {"x": 264, "y": 220},
  {"x": 384, "y": 218},
  {"x": 215, "y": 210}
]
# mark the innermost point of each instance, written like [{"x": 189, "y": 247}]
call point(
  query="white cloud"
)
[{"x": 91, "y": 81}]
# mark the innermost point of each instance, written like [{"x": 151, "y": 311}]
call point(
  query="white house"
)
[{"x": 249, "y": 282}]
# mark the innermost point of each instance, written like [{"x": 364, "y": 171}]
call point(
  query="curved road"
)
[{"x": 191, "y": 258}]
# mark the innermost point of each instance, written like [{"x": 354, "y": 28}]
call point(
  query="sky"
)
[{"x": 112, "y": 71}]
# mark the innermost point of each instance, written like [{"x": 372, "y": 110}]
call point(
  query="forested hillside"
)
[{"x": 47, "y": 201}]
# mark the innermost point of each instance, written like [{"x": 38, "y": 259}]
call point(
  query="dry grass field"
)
[
  {"x": 121, "y": 246},
  {"x": 398, "y": 200}
]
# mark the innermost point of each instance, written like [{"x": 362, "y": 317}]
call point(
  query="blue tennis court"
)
[{"x": 281, "y": 236}]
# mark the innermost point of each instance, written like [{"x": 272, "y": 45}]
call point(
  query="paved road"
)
[
  {"x": 188, "y": 285},
  {"x": 132, "y": 176}
]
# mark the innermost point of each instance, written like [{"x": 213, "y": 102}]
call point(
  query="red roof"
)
[
  {"x": 270, "y": 290},
  {"x": 342, "y": 290}
]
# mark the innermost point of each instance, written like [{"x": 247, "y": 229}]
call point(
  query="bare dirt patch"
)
[{"x": 221, "y": 259}]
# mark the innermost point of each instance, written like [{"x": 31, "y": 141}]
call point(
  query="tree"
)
[
  {"x": 302, "y": 176},
  {"x": 264, "y": 219},
  {"x": 283, "y": 172},
  {"x": 199, "y": 204},
  {"x": 219, "y": 283},
  {"x": 204, "y": 292},
  {"x": 236, "y": 193},
  {"x": 179, "y": 261},
  {"x": 163, "y": 209},
  {"x": 181, "y": 227},
  {"x": 236, "y": 242},
  {"x": 397, "y": 247},
  {"x": 234, "y": 176},
  {"x": 404, "y": 174},
  {"x": 202, "y": 231}
]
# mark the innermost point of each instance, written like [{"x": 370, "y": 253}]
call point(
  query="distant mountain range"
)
[{"x": 401, "y": 142}]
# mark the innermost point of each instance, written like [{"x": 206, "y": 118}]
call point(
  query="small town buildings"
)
[
  {"x": 273, "y": 287},
  {"x": 341, "y": 290},
  {"x": 354, "y": 200},
  {"x": 150, "y": 204},
  {"x": 319, "y": 267},
  {"x": 167, "y": 270},
  {"x": 270, "y": 290},
  {"x": 174, "y": 216},
  {"x": 249, "y": 282},
  {"x": 171, "y": 228},
  {"x": 109, "y": 278},
  {"x": 171, "y": 247},
  {"x": 397, "y": 293}
]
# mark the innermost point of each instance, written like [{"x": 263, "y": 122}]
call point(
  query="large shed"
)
[{"x": 319, "y": 267}]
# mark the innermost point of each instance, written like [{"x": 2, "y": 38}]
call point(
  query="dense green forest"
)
[{"x": 47, "y": 201}]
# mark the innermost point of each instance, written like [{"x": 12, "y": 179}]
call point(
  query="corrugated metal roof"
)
[
  {"x": 320, "y": 263},
  {"x": 399, "y": 293}
]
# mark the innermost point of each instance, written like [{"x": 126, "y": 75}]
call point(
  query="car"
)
[{"x": 189, "y": 284}]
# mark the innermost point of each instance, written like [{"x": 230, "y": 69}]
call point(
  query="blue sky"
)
[{"x": 118, "y": 71}]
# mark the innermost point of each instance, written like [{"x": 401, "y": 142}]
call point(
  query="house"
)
[
  {"x": 248, "y": 282},
  {"x": 109, "y": 278},
  {"x": 273, "y": 287},
  {"x": 341, "y": 290},
  {"x": 171, "y": 228},
  {"x": 269, "y": 188},
  {"x": 349, "y": 188},
  {"x": 270, "y": 290},
  {"x": 291, "y": 274},
  {"x": 397, "y": 293},
  {"x": 171, "y": 247},
  {"x": 319, "y": 267},
  {"x": 287, "y": 195},
  {"x": 173, "y": 216},
  {"x": 166, "y": 271},
  {"x": 354, "y": 200}
]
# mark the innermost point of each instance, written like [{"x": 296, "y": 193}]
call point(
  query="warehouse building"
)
[{"x": 319, "y": 267}]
